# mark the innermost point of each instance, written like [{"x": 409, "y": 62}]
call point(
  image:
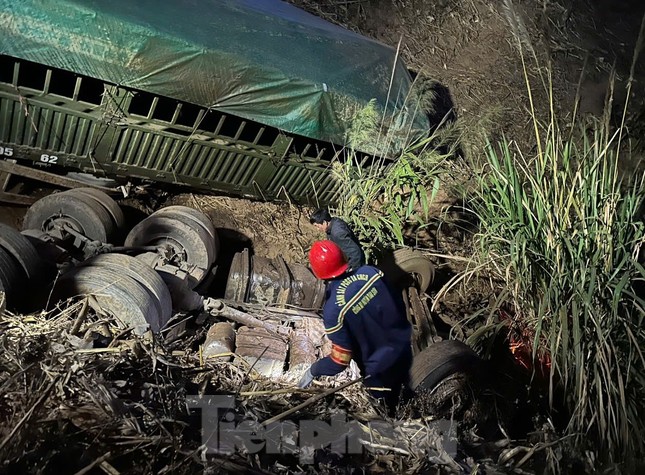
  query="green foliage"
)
[
  {"x": 562, "y": 228},
  {"x": 564, "y": 233},
  {"x": 364, "y": 130},
  {"x": 383, "y": 199}
]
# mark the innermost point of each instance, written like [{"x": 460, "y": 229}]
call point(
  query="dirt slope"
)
[{"x": 470, "y": 48}]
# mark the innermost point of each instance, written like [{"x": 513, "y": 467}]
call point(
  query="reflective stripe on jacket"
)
[{"x": 364, "y": 322}]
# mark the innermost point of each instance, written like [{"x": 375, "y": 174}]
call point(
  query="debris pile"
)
[
  {"x": 90, "y": 397},
  {"x": 122, "y": 373}
]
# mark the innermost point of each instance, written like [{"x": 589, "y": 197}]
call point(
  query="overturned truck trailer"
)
[{"x": 254, "y": 98}]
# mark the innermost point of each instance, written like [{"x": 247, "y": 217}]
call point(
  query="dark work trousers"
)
[{"x": 396, "y": 379}]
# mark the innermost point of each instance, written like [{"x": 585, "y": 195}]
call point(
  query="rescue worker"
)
[
  {"x": 339, "y": 232},
  {"x": 365, "y": 322}
]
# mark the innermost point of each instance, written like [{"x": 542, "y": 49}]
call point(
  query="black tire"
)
[
  {"x": 10, "y": 277},
  {"x": 199, "y": 222},
  {"x": 99, "y": 209},
  {"x": 187, "y": 243},
  {"x": 81, "y": 212},
  {"x": 440, "y": 360},
  {"x": 145, "y": 275},
  {"x": 417, "y": 264},
  {"x": 200, "y": 218},
  {"x": 23, "y": 252},
  {"x": 107, "y": 202},
  {"x": 115, "y": 294}
]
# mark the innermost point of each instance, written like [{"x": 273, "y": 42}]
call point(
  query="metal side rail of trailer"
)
[{"x": 57, "y": 118}]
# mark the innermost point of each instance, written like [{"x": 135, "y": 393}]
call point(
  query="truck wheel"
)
[
  {"x": 199, "y": 222},
  {"x": 440, "y": 360},
  {"x": 140, "y": 272},
  {"x": 114, "y": 294},
  {"x": 415, "y": 263},
  {"x": 23, "y": 252},
  {"x": 99, "y": 209},
  {"x": 187, "y": 245},
  {"x": 107, "y": 202},
  {"x": 80, "y": 212},
  {"x": 10, "y": 281},
  {"x": 198, "y": 217}
]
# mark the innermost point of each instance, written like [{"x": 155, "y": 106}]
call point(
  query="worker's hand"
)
[{"x": 306, "y": 379}]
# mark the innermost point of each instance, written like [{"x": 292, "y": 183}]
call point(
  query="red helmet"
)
[{"x": 327, "y": 260}]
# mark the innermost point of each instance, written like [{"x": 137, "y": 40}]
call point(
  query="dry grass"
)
[{"x": 118, "y": 404}]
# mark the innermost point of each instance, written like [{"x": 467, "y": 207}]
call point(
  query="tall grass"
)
[
  {"x": 382, "y": 198},
  {"x": 564, "y": 231}
]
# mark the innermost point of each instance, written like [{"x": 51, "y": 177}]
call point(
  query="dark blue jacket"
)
[
  {"x": 365, "y": 322},
  {"x": 340, "y": 233}
]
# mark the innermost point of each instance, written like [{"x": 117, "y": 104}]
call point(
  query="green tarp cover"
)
[{"x": 263, "y": 60}]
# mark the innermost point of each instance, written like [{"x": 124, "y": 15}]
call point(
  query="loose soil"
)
[{"x": 471, "y": 49}]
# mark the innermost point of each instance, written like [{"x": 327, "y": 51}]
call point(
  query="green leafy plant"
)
[{"x": 384, "y": 199}]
